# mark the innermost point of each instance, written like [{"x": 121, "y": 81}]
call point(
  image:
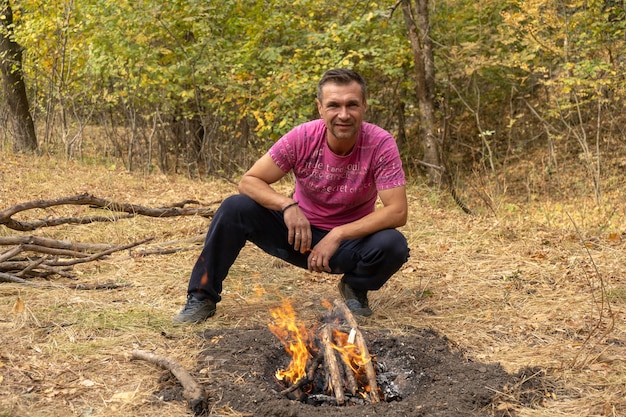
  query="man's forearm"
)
[
  {"x": 263, "y": 193},
  {"x": 388, "y": 217}
]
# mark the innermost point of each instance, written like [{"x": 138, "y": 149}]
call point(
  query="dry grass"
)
[{"x": 525, "y": 288}]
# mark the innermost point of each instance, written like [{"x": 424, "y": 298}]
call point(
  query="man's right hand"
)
[{"x": 299, "y": 229}]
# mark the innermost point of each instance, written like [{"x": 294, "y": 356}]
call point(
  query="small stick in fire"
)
[
  {"x": 310, "y": 376},
  {"x": 351, "y": 382},
  {"x": 336, "y": 381}
]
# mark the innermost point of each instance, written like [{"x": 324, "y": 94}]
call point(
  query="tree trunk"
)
[
  {"x": 21, "y": 122},
  {"x": 418, "y": 29}
]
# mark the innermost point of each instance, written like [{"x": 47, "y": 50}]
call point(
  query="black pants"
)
[{"x": 366, "y": 263}]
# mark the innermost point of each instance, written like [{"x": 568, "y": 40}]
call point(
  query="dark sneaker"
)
[
  {"x": 195, "y": 310},
  {"x": 355, "y": 300}
]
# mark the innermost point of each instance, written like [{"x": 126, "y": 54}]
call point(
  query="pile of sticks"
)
[
  {"x": 39, "y": 257},
  {"x": 29, "y": 256},
  {"x": 340, "y": 379}
]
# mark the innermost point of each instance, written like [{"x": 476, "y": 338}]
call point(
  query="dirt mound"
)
[{"x": 434, "y": 378}]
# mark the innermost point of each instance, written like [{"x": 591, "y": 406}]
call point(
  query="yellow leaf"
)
[
  {"x": 18, "y": 307},
  {"x": 615, "y": 237}
]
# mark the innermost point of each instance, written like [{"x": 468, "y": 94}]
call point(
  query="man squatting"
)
[{"x": 341, "y": 165}]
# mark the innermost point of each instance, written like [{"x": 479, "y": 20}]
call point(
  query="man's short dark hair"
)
[{"x": 341, "y": 76}]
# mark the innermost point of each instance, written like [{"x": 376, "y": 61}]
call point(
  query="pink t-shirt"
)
[{"x": 333, "y": 190}]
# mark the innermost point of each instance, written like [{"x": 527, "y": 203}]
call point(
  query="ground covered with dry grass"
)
[{"x": 533, "y": 288}]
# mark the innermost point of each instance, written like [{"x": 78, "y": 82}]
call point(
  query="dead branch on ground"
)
[
  {"x": 192, "y": 391},
  {"x": 40, "y": 257},
  {"x": 48, "y": 258},
  {"x": 100, "y": 286},
  {"x": 132, "y": 210}
]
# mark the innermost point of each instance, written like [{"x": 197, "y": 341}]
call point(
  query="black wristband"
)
[{"x": 290, "y": 205}]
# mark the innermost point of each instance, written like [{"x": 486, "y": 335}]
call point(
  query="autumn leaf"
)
[
  {"x": 615, "y": 237},
  {"x": 18, "y": 307}
]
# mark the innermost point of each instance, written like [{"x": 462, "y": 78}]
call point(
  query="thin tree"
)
[
  {"x": 21, "y": 122},
  {"x": 418, "y": 29}
]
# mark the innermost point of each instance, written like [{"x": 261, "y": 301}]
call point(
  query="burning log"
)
[
  {"x": 347, "y": 375},
  {"x": 336, "y": 381},
  {"x": 362, "y": 346},
  {"x": 352, "y": 383}
]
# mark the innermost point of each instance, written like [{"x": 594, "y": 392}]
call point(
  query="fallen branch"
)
[
  {"x": 39, "y": 257},
  {"x": 12, "y": 278},
  {"x": 42, "y": 257},
  {"x": 85, "y": 199},
  {"x": 103, "y": 253},
  {"x": 192, "y": 391},
  {"x": 53, "y": 243},
  {"x": 100, "y": 286},
  {"x": 158, "y": 251},
  {"x": 39, "y": 267},
  {"x": 10, "y": 253},
  {"x": 30, "y": 267}
]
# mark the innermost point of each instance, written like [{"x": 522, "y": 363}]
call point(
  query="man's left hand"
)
[{"x": 319, "y": 258}]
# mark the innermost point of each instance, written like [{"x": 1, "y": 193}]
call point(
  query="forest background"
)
[
  {"x": 528, "y": 126},
  {"x": 203, "y": 88}
]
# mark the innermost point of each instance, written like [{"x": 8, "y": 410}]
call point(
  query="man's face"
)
[{"x": 342, "y": 107}]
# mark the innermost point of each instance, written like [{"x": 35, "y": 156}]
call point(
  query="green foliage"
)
[
  {"x": 578, "y": 46},
  {"x": 238, "y": 63},
  {"x": 246, "y": 70}
]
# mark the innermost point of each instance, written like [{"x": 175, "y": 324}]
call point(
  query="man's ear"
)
[{"x": 319, "y": 106}]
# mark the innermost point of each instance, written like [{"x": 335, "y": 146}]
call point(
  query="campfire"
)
[{"x": 330, "y": 363}]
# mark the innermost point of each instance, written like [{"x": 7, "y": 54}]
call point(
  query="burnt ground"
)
[{"x": 434, "y": 378}]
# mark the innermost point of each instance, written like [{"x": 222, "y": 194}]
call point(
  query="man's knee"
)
[
  {"x": 395, "y": 244},
  {"x": 237, "y": 202},
  {"x": 236, "y": 206}
]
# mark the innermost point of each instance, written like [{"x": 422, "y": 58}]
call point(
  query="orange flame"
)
[
  {"x": 299, "y": 344},
  {"x": 296, "y": 340},
  {"x": 351, "y": 355}
]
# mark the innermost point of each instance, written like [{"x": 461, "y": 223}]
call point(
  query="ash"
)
[{"x": 420, "y": 370}]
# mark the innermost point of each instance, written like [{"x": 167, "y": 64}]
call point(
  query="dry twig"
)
[
  {"x": 85, "y": 199},
  {"x": 192, "y": 391}
]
